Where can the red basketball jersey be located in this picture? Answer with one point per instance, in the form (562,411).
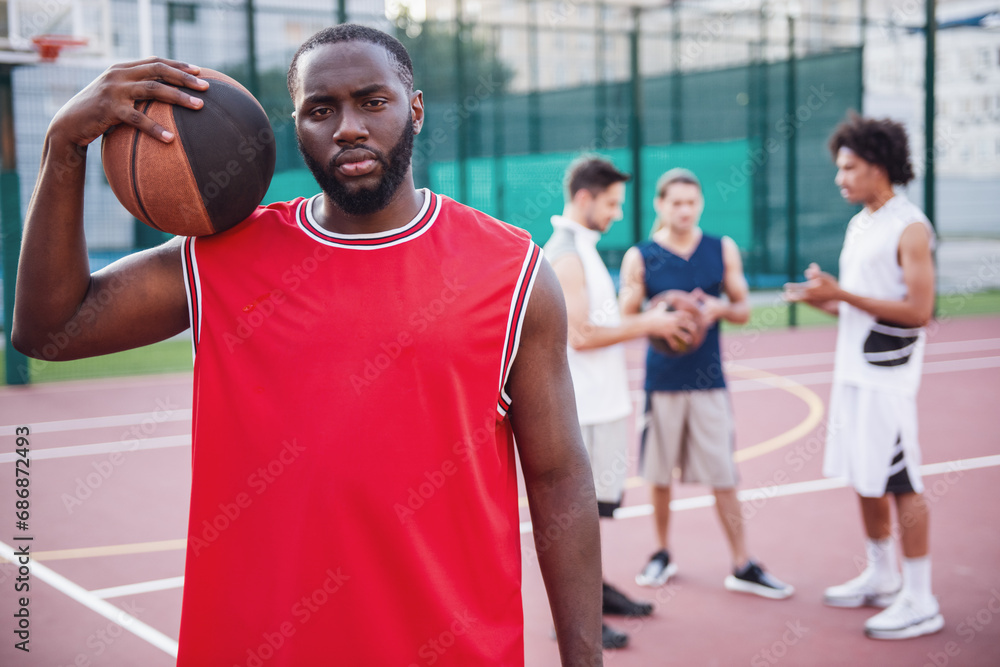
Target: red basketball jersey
(354,496)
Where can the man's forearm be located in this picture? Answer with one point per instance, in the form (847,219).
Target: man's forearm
(53,272)
(737,313)
(567,540)
(589,336)
(905,312)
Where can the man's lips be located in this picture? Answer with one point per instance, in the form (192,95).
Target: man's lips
(356,162)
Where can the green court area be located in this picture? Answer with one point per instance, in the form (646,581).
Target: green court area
(174,356)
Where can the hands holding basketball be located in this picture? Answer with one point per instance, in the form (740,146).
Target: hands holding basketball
(110,99)
(688,321)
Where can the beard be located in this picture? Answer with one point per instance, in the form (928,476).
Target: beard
(365,201)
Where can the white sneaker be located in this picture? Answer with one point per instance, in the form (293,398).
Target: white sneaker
(658,570)
(904,619)
(863,591)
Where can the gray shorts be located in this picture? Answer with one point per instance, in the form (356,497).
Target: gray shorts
(607,448)
(691,431)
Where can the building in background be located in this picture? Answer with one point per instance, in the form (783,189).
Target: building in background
(582,42)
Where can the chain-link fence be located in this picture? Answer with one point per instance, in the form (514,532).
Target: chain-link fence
(744,97)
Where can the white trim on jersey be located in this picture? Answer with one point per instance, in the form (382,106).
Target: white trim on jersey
(194,300)
(514,327)
(350,241)
(891,355)
(899,332)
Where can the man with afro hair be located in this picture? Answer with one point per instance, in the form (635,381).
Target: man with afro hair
(884,298)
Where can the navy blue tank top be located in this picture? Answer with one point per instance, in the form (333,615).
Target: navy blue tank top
(702,369)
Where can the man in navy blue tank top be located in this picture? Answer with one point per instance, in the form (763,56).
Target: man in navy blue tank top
(689,421)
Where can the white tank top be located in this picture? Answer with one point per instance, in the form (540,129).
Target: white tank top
(600,379)
(872,353)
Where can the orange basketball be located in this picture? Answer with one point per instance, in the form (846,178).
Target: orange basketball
(210,177)
(681,301)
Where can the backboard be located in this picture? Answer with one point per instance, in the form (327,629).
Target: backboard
(23,21)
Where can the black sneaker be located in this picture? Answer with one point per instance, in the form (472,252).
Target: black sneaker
(617,603)
(657,571)
(611,638)
(752,579)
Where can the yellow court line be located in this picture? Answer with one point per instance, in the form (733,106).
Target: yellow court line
(112,550)
(803,428)
(815,404)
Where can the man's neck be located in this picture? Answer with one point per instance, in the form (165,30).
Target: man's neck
(680,241)
(570,213)
(403,207)
(879,198)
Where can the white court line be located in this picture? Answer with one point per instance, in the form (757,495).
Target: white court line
(103,448)
(136,589)
(96,604)
(93,599)
(171,415)
(826,377)
(820,358)
(826,358)
(762,363)
(795,488)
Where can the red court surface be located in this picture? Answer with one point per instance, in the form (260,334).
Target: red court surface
(110,480)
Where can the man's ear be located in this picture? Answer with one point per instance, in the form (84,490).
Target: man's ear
(417,110)
(582,198)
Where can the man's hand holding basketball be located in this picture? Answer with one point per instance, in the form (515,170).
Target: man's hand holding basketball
(135,301)
(669,324)
(110,99)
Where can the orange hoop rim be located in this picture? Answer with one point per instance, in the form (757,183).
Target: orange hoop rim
(49,46)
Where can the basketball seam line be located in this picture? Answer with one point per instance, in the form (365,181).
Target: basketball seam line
(135,178)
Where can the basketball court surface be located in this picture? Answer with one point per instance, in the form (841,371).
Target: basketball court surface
(110,481)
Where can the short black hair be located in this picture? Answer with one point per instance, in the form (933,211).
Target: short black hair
(352,32)
(594,174)
(879,141)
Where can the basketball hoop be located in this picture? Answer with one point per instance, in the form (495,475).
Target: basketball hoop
(49,46)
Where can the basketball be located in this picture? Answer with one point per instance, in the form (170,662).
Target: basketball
(210,177)
(681,301)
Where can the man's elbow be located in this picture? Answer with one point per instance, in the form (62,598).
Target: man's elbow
(26,342)
(33,342)
(22,341)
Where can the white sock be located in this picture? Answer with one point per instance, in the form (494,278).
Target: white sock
(882,558)
(917,579)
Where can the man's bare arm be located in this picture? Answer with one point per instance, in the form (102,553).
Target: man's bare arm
(587,335)
(557,475)
(736,307)
(914,310)
(61,311)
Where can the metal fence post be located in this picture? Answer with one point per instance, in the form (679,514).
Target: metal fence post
(10,219)
(635,126)
(792,183)
(462,145)
(930,50)
(253,80)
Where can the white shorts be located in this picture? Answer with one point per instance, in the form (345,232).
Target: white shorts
(871,436)
(607,448)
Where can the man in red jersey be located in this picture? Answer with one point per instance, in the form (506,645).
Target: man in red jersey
(361,411)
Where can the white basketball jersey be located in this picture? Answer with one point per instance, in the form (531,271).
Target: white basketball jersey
(600,377)
(870,352)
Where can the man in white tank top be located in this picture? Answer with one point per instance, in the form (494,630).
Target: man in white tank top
(884,298)
(595,191)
